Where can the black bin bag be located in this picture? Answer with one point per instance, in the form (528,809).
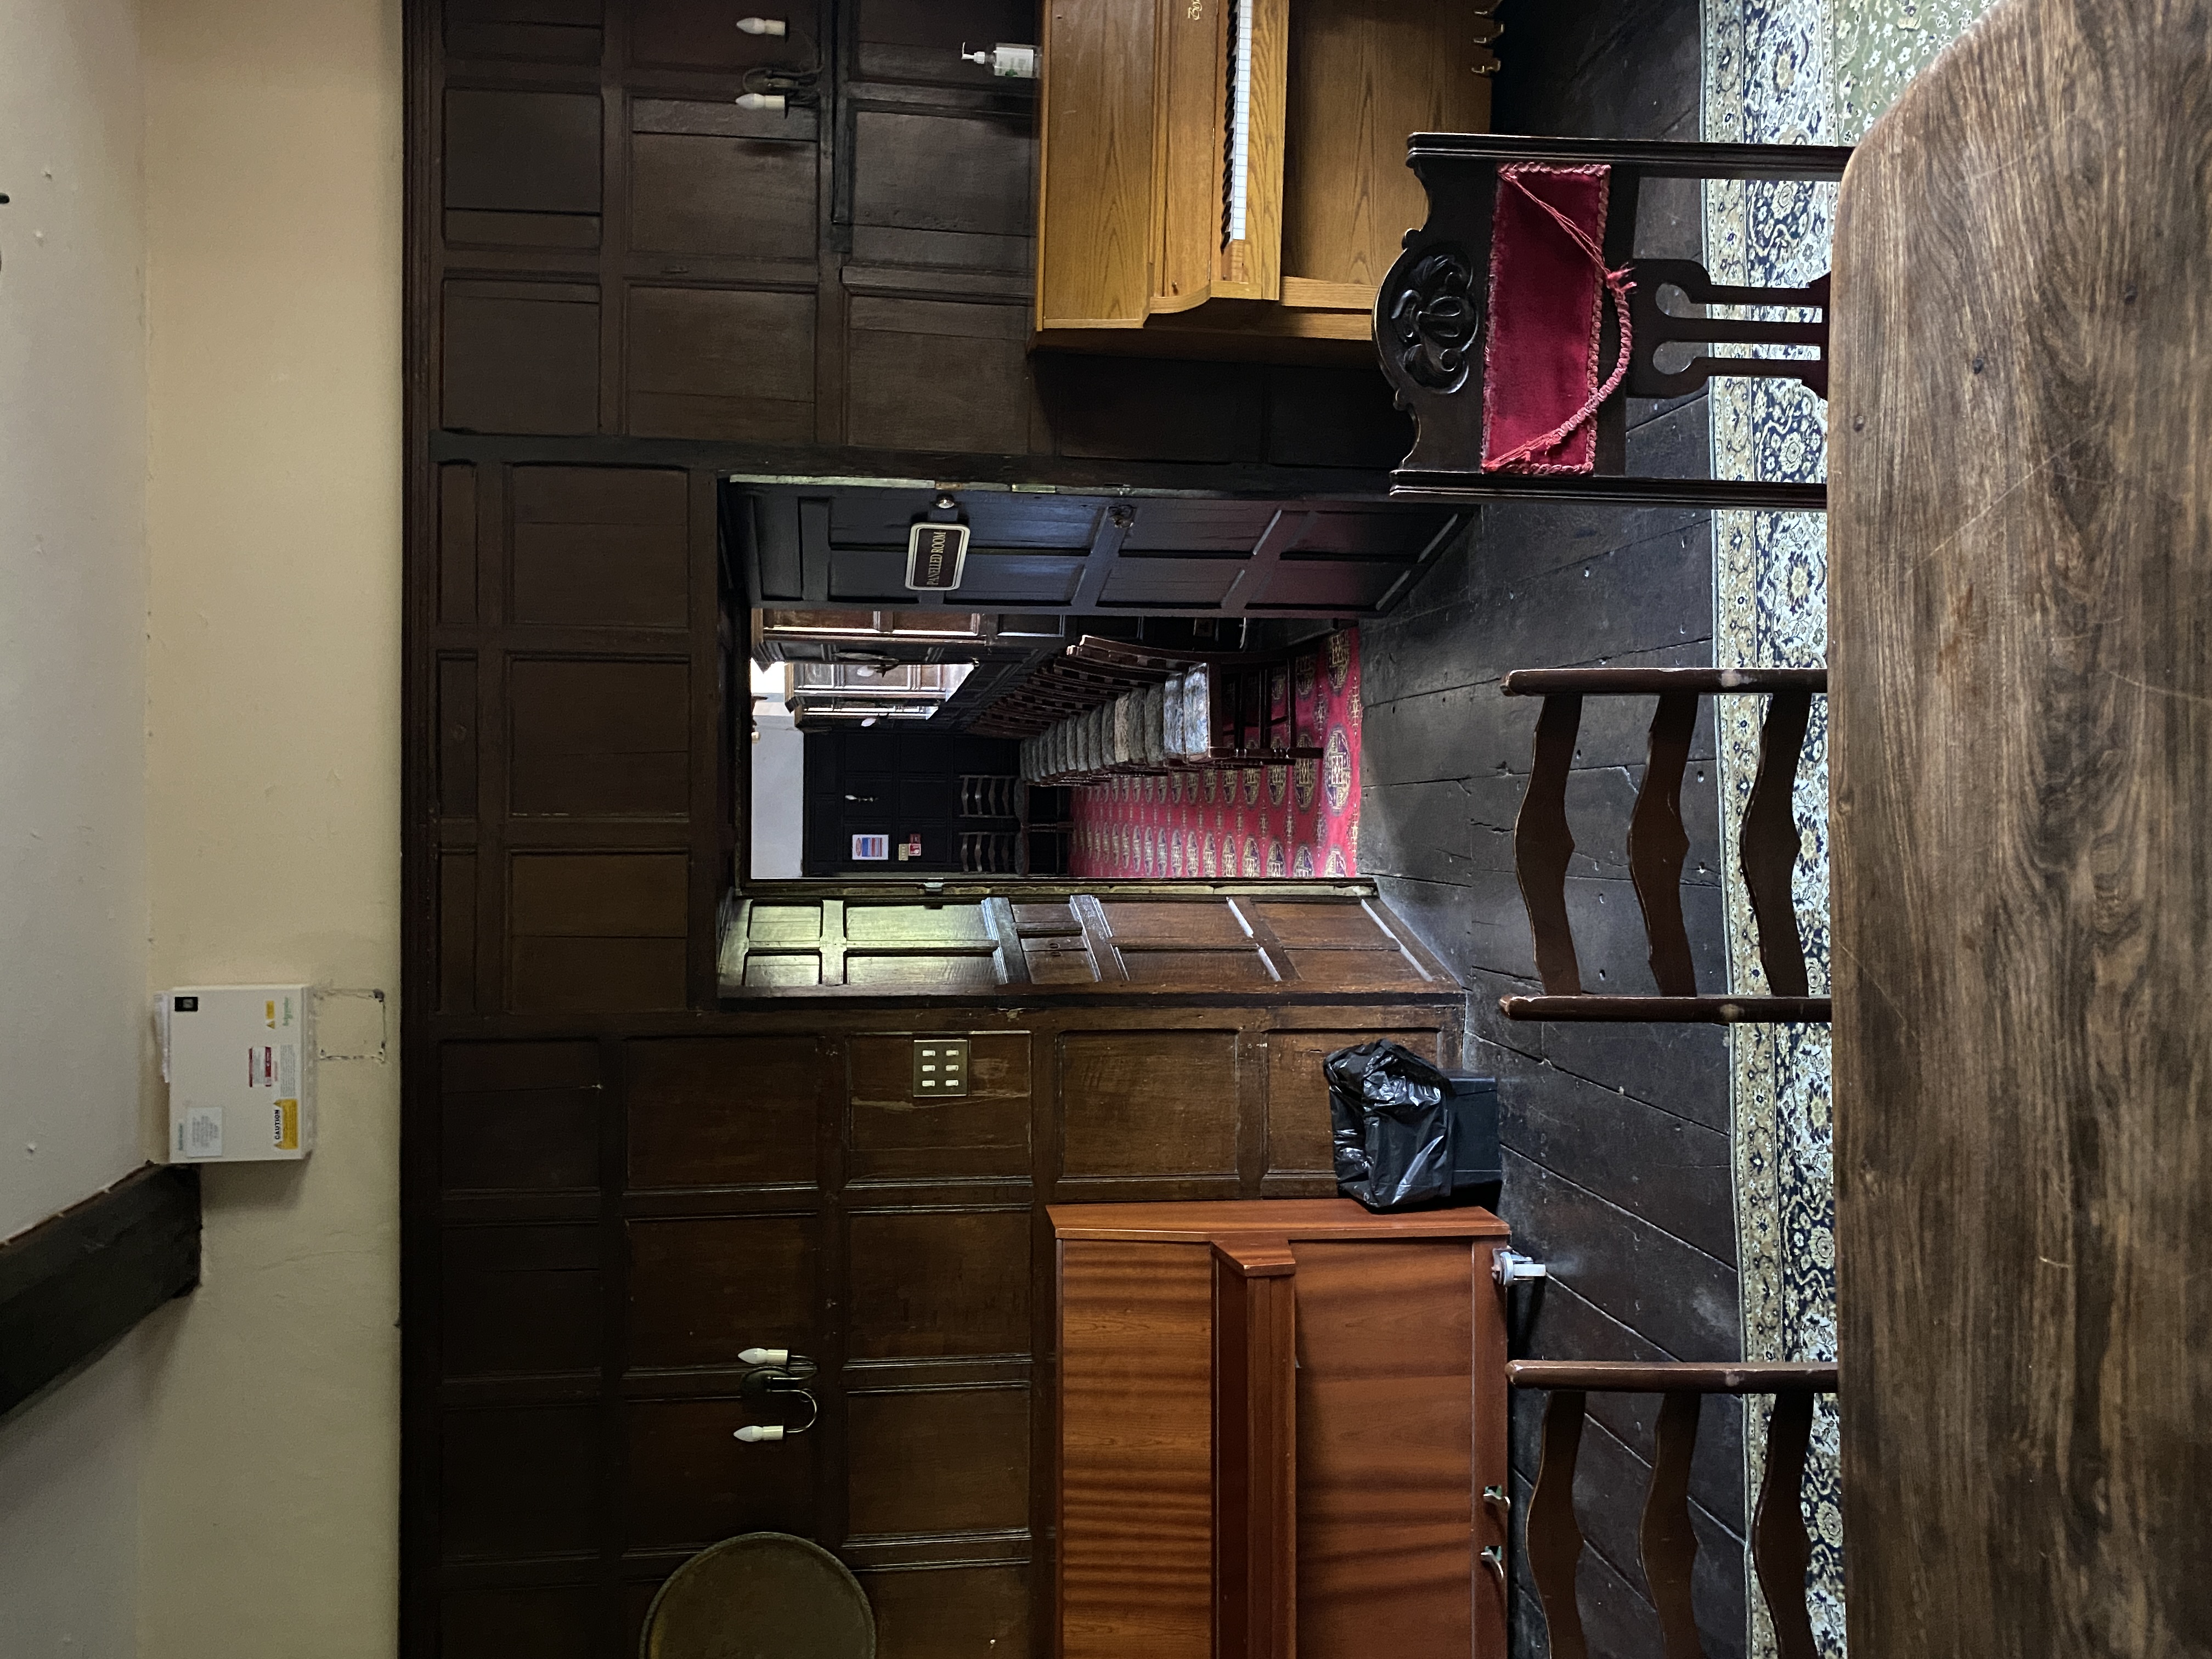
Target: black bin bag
(1405,1135)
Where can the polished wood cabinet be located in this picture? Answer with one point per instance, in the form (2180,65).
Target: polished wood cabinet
(1227,177)
(1282,1429)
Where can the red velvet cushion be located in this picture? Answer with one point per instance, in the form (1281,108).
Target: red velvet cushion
(1545,290)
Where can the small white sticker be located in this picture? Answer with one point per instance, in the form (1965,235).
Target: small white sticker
(201,1132)
(288,1068)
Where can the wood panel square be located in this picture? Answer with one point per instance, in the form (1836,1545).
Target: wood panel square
(717,1112)
(928,1283)
(954,172)
(545,1623)
(518,1140)
(521,357)
(597,932)
(1298,1092)
(693,193)
(1173,921)
(523,152)
(702,1291)
(917,976)
(598,737)
(950,1613)
(984,1133)
(596,975)
(688,1483)
(938,375)
(732,363)
(601,545)
(1196,971)
(1148,1102)
(698,34)
(1343,926)
(521,1301)
(518,1482)
(936,1461)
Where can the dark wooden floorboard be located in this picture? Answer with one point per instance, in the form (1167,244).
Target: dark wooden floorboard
(1618,1158)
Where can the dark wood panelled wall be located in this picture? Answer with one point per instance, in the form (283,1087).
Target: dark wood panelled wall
(622,290)
(607,245)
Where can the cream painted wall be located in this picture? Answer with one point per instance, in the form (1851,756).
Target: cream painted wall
(273,140)
(73,1043)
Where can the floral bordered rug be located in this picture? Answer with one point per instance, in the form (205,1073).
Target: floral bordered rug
(1788,71)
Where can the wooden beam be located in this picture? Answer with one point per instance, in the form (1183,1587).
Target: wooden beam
(72,1284)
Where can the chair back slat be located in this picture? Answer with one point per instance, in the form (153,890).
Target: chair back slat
(1658,843)
(1780,1549)
(1555,1537)
(1771,843)
(1669,1543)
(1543,844)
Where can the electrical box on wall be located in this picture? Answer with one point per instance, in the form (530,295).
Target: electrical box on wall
(239,1061)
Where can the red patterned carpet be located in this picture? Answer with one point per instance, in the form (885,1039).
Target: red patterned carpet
(1288,821)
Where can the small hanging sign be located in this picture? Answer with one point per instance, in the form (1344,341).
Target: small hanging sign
(934,556)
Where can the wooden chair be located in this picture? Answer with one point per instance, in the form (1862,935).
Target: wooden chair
(1657,843)
(1781,1550)
(1433,312)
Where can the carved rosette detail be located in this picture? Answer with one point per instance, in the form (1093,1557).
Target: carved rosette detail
(1435,319)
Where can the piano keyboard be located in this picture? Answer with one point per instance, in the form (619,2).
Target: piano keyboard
(1240,119)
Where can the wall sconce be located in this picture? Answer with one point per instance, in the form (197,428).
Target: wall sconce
(775,25)
(777,1374)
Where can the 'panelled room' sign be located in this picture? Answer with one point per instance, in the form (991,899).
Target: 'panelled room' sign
(934,554)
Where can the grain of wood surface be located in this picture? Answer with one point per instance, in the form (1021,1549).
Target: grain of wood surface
(2021,537)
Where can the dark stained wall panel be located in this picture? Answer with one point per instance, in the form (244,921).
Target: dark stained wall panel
(723,1112)
(730,363)
(457,932)
(704,35)
(546,1622)
(457,736)
(521,1141)
(943,173)
(596,930)
(522,357)
(457,543)
(522,1301)
(935,376)
(523,152)
(602,737)
(955,1613)
(726,198)
(519,1482)
(938,1461)
(601,545)
(938,1283)
(1142,409)
(687,1483)
(1131,1102)
(703,1290)
(542,31)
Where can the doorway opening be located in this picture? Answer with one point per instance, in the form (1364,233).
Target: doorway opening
(1121,688)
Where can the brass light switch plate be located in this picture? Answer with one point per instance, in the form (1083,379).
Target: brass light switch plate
(940,1066)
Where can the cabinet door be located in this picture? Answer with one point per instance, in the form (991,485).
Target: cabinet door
(1401,1422)
(1136,1458)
